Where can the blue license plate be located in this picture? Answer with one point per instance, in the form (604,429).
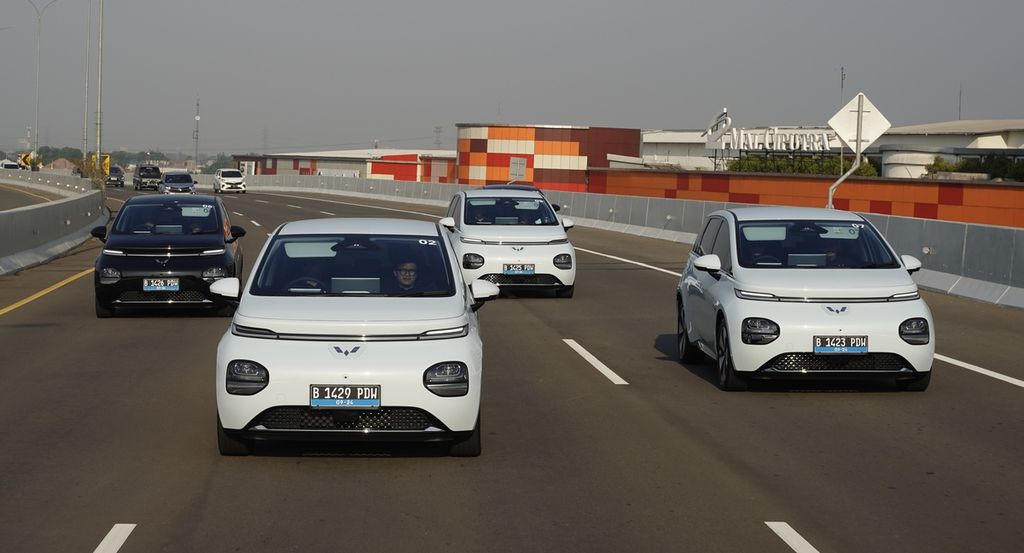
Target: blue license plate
(840,344)
(159,285)
(333,396)
(518,268)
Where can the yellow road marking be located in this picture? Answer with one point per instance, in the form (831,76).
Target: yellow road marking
(42,293)
(26,192)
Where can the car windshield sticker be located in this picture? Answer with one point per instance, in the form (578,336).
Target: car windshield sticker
(196,210)
(842,232)
(762,233)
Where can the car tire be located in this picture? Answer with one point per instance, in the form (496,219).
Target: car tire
(242,192)
(728,380)
(565,292)
(688,351)
(468,446)
(103,311)
(229,445)
(918,384)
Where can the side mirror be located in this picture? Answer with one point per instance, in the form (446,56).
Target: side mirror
(567,223)
(236,232)
(912,263)
(448,223)
(99,232)
(483,291)
(710,263)
(227,287)
(556,207)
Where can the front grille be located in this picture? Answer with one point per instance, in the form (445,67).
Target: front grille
(183,296)
(522,280)
(870,362)
(385,418)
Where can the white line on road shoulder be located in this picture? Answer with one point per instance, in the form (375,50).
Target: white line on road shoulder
(254,222)
(610,374)
(790,536)
(980,370)
(327,213)
(624,260)
(115,538)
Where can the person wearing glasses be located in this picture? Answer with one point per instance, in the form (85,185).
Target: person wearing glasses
(405,278)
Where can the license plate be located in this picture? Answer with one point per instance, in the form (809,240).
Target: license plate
(331,396)
(517,268)
(840,344)
(159,285)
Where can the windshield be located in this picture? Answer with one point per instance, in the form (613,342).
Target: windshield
(812,244)
(116,172)
(509,211)
(178,179)
(149,172)
(231,174)
(354,265)
(167,219)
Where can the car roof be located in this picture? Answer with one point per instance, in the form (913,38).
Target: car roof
(360,225)
(784,212)
(501,191)
(165,199)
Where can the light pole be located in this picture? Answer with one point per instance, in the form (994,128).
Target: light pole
(99,97)
(88,68)
(39,34)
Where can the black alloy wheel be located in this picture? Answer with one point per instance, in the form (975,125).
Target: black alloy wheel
(728,380)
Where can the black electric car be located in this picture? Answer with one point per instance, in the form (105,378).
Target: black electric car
(165,251)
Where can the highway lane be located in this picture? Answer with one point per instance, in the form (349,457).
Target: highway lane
(115,424)
(12,196)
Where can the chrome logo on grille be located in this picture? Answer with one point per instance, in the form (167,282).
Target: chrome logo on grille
(837,309)
(345,351)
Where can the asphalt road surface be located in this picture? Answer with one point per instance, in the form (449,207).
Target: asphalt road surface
(110,422)
(12,196)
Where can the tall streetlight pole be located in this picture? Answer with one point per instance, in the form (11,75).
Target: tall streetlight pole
(88,69)
(99,98)
(39,33)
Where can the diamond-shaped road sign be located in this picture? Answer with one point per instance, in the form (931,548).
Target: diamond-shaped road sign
(873,123)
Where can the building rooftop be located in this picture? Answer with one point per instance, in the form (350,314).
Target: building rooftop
(965,126)
(369,153)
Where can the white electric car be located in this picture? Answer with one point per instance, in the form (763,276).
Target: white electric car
(352,329)
(779,292)
(511,236)
(228,180)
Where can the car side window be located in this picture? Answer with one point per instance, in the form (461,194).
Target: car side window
(723,248)
(707,238)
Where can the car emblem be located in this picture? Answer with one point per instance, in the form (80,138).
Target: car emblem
(346,352)
(837,310)
(518,248)
(162,262)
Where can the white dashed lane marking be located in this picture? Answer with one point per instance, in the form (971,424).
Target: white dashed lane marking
(115,538)
(327,213)
(239,214)
(601,367)
(254,222)
(794,540)
(262,201)
(295,206)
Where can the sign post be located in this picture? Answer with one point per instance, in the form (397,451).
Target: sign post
(516,169)
(858,124)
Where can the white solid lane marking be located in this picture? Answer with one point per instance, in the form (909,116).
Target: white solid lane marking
(327,213)
(295,206)
(979,370)
(115,538)
(792,539)
(254,222)
(263,201)
(239,214)
(610,374)
(624,260)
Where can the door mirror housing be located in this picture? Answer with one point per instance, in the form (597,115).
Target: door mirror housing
(912,263)
(567,223)
(710,263)
(448,223)
(483,290)
(99,232)
(236,233)
(227,287)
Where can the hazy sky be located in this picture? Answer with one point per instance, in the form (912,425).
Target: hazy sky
(322,74)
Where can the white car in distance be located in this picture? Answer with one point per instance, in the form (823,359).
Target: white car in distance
(228,180)
(353,329)
(778,292)
(511,236)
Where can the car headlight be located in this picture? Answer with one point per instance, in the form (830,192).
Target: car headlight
(109,275)
(448,379)
(563,261)
(214,273)
(915,331)
(758,331)
(245,378)
(472,261)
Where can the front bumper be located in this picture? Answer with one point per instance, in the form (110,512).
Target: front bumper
(545,273)
(408,410)
(792,355)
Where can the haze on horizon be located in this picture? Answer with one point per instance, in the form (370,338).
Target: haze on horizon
(322,74)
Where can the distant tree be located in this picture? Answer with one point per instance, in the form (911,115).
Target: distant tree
(799,165)
(996,166)
(222,161)
(49,154)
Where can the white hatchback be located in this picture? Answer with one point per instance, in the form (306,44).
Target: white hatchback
(512,237)
(228,180)
(352,329)
(776,292)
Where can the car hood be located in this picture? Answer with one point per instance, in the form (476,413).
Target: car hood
(515,234)
(826,283)
(351,316)
(128,242)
